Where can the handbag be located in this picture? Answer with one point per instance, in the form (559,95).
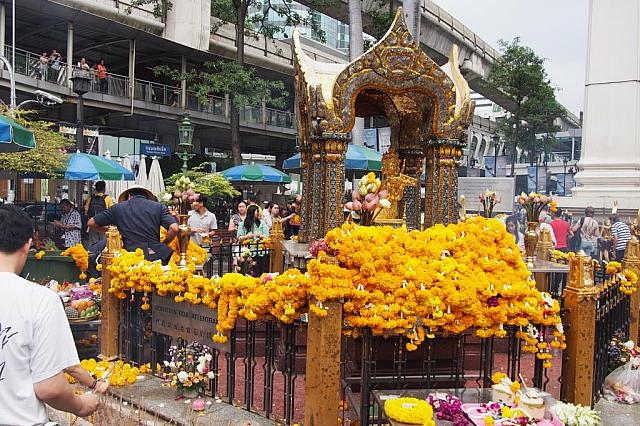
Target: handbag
(576,241)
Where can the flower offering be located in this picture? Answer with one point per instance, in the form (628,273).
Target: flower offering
(368,199)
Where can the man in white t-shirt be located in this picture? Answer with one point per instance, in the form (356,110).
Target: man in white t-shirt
(201,221)
(36,345)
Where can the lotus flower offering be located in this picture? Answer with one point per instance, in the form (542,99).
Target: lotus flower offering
(368,199)
(184,195)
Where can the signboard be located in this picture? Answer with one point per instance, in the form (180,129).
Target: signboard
(154,149)
(193,323)
(471,187)
(536,183)
(371,138)
(384,139)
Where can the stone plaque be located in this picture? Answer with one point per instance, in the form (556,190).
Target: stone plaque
(471,187)
(193,323)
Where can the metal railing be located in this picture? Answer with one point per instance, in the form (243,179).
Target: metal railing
(260,369)
(28,64)
(613,316)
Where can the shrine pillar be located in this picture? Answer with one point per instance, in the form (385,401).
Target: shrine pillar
(327,183)
(412,159)
(306,176)
(441,181)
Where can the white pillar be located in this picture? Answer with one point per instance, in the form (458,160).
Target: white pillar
(610,155)
(487,145)
(69,53)
(356,48)
(132,72)
(477,148)
(3,28)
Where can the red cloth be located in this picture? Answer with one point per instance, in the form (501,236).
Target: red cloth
(561,230)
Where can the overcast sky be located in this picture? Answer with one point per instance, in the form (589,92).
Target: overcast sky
(554,29)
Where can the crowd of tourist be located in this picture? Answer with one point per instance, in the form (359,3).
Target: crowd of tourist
(49,66)
(607,240)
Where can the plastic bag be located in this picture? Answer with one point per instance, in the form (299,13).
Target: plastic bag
(623,383)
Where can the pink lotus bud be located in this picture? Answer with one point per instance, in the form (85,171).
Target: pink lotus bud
(536,200)
(357,205)
(383,194)
(544,199)
(177,194)
(369,198)
(349,206)
(355,195)
(481,196)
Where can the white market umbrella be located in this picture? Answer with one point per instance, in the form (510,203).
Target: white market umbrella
(155,180)
(141,179)
(122,184)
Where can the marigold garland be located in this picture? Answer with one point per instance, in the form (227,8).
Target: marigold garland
(80,256)
(409,410)
(449,279)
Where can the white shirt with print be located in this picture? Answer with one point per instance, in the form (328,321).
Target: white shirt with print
(35,344)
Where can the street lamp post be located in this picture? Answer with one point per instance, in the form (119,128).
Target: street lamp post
(565,160)
(495,139)
(185,136)
(81,84)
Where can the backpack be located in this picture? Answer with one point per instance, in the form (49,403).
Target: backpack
(96,205)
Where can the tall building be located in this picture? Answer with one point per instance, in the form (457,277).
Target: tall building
(336,33)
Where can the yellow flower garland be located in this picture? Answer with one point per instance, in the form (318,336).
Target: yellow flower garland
(446,279)
(80,256)
(409,410)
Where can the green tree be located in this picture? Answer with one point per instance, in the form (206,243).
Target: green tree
(519,73)
(47,158)
(233,77)
(213,185)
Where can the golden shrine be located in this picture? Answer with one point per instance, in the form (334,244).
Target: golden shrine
(428,113)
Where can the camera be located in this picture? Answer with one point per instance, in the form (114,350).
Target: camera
(48,98)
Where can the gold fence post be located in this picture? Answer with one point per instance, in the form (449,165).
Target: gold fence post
(276,255)
(110,314)
(580,299)
(322,387)
(631,261)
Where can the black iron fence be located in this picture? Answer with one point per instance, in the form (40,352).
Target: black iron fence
(613,315)
(227,255)
(262,370)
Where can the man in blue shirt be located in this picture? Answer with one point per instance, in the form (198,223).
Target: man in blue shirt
(139,218)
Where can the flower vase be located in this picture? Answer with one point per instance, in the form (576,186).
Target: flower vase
(184,236)
(190,393)
(530,242)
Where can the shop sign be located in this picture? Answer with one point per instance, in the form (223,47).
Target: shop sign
(193,323)
(154,149)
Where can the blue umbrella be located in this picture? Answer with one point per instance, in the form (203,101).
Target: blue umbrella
(256,173)
(358,158)
(92,167)
(14,137)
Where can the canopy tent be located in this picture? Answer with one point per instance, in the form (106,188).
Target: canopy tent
(256,173)
(358,158)
(15,137)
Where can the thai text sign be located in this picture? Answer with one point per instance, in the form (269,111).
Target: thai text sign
(193,323)
(471,187)
(151,149)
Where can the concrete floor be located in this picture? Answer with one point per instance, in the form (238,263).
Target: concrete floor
(615,414)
